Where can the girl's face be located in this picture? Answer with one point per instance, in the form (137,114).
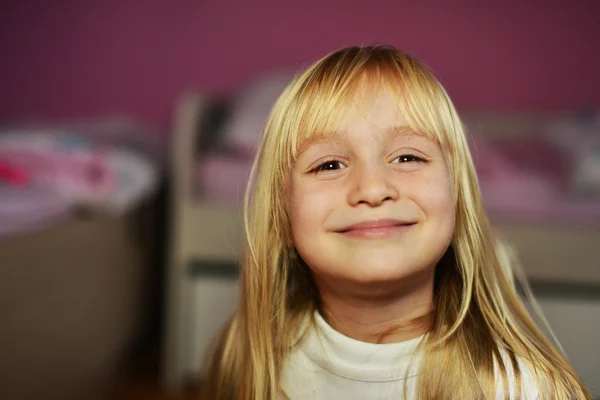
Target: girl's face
(373,202)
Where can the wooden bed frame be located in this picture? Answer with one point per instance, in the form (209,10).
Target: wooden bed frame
(210,237)
(75,301)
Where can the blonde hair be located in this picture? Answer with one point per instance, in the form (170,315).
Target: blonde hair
(477,308)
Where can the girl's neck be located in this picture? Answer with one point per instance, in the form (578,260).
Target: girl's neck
(394,318)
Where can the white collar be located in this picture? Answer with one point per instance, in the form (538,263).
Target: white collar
(358,360)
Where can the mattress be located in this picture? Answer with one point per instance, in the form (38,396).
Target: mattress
(27,210)
(124,160)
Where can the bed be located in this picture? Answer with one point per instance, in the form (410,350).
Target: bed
(561,256)
(76,280)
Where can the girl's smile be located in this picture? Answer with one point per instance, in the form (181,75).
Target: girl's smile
(376,229)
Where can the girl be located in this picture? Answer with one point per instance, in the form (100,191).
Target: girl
(370,269)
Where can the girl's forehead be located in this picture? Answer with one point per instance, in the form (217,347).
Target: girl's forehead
(379,112)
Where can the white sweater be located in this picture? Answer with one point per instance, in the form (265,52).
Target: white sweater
(327,365)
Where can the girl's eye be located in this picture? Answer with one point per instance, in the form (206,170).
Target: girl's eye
(406,158)
(329,166)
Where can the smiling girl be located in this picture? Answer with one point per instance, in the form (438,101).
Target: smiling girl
(370,270)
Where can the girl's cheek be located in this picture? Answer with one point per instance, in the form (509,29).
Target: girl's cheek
(431,191)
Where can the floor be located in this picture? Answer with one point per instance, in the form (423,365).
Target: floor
(150,390)
(143,382)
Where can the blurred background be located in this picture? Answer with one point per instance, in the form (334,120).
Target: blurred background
(127,130)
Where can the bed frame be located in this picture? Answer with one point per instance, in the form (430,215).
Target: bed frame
(75,302)
(207,239)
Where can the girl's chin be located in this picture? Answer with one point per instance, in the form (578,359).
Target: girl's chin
(381,275)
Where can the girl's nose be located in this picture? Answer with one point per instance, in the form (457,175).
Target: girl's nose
(371,185)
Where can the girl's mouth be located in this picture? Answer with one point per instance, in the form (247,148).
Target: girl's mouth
(375,229)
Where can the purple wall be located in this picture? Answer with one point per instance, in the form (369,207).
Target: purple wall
(89,57)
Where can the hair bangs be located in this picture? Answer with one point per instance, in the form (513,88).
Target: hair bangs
(345,84)
(331,96)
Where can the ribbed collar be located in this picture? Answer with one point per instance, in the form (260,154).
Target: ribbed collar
(353,359)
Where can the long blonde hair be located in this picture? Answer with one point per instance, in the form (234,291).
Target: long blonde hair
(477,309)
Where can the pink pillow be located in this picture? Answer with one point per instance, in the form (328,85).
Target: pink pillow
(244,128)
(222,178)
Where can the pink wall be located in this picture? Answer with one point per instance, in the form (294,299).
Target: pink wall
(89,57)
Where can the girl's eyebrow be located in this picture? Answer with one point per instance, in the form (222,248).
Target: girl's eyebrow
(402,130)
(318,140)
(334,136)
(405,131)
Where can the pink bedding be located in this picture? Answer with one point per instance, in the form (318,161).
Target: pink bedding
(27,210)
(222,178)
(111,163)
(532,179)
